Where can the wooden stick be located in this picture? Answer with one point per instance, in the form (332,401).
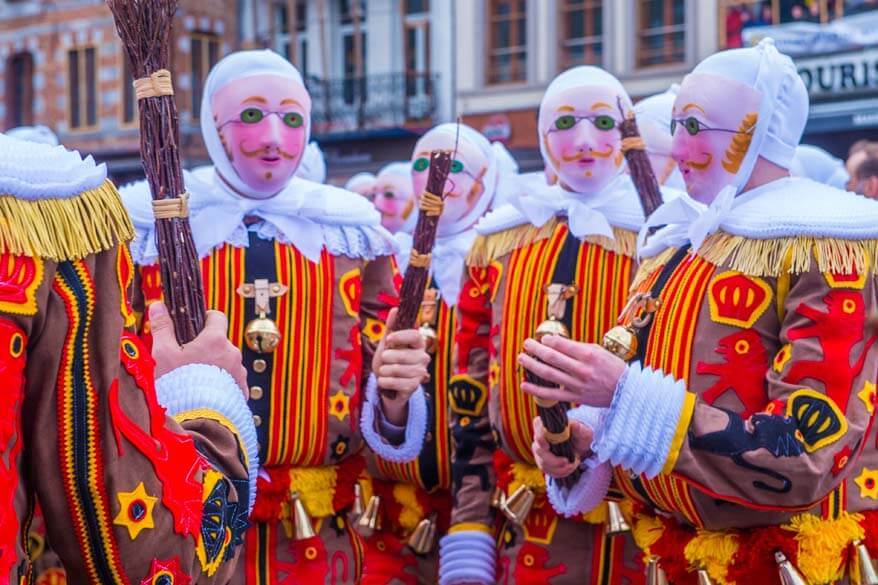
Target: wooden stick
(642,174)
(417,275)
(145,29)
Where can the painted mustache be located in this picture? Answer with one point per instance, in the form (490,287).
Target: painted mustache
(701,166)
(592,152)
(267,150)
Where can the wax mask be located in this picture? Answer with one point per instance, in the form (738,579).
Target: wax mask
(465,181)
(662,165)
(366,189)
(712,124)
(579,129)
(393,198)
(262,122)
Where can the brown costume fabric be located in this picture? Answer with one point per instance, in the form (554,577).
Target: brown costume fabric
(784,371)
(502,303)
(125,491)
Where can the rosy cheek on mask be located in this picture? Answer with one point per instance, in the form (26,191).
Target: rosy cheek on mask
(586,158)
(700,159)
(266,153)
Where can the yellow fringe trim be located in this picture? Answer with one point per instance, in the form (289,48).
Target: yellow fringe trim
(778,256)
(527,475)
(485,249)
(646,531)
(493,246)
(64,229)
(599,515)
(648,266)
(411,512)
(713,552)
(316,487)
(822,544)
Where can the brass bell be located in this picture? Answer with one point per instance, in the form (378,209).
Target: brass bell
(616,523)
(868,575)
(655,575)
(370,521)
(518,505)
(551,327)
(262,334)
(789,574)
(423,539)
(622,342)
(498,497)
(357,507)
(304,529)
(429,336)
(704,578)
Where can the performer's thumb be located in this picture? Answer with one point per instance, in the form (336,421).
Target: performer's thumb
(160,324)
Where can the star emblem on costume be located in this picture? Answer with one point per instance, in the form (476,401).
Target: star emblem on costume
(166,572)
(840,460)
(782,358)
(340,405)
(374,330)
(136,510)
(867,395)
(868,482)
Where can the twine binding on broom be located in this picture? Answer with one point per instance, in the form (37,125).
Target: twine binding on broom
(156,85)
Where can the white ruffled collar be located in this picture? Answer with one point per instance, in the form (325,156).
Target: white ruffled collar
(298,215)
(617,205)
(30,170)
(788,207)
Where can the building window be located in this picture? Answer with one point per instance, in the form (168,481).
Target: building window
(354,47)
(352,10)
(82,83)
(662,36)
(417,47)
(20,94)
(581,29)
(292,15)
(203,55)
(128,107)
(507,41)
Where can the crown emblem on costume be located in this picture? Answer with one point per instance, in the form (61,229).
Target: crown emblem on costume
(467,395)
(737,299)
(541,522)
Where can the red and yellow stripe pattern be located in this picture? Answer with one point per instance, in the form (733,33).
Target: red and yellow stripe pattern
(603,278)
(670,349)
(222,273)
(299,410)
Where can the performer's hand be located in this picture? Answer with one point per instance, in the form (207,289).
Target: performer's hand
(400,364)
(587,373)
(551,464)
(212,346)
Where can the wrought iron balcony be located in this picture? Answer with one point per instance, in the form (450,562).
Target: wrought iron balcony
(372,102)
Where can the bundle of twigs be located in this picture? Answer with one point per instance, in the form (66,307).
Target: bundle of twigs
(417,275)
(145,29)
(553,415)
(642,174)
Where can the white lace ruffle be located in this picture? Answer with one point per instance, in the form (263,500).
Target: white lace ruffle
(30,170)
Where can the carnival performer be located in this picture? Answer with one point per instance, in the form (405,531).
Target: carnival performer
(394,197)
(143,467)
(416,497)
(654,121)
(818,165)
(304,273)
(568,251)
(362,184)
(743,424)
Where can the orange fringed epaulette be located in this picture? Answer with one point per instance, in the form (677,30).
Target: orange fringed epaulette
(64,228)
(789,255)
(487,248)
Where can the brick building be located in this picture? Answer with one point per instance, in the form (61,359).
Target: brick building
(63,66)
